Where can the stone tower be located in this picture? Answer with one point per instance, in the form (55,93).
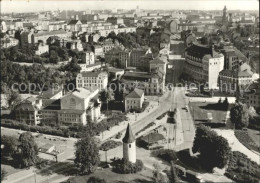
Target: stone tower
(224,18)
(129,149)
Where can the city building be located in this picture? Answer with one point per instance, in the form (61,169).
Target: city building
(232,80)
(150,83)
(203,64)
(9,42)
(88,57)
(233,58)
(28,111)
(252,98)
(43,36)
(41,48)
(115,20)
(129,147)
(134,100)
(75,25)
(77,105)
(98,79)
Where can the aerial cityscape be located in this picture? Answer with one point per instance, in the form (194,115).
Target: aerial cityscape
(130,91)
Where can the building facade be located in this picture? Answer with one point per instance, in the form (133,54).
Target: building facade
(203,64)
(96,79)
(134,100)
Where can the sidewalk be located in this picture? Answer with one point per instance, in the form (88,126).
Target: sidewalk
(237,146)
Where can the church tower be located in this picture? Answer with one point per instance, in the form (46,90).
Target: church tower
(129,149)
(224,18)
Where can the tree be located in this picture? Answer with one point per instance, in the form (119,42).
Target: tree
(10,145)
(239,115)
(13,99)
(3,174)
(102,60)
(27,154)
(158,177)
(54,58)
(214,150)
(173,177)
(226,104)
(87,155)
(105,96)
(94,179)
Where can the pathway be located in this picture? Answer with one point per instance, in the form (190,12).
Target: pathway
(237,146)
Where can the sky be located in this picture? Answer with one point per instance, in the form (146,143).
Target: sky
(40,5)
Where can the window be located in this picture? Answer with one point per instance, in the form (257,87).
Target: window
(129,145)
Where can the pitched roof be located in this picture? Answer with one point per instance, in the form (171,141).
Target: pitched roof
(49,93)
(90,74)
(51,104)
(152,137)
(199,51)
(51,33)
(73,22)
(136,93)
(129,137)
(25,107)
(245,73)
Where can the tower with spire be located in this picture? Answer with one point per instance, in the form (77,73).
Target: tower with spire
(129,149)
(224,17)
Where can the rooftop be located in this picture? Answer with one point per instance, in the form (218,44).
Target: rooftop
(129,137)
(46,33)
(136,93)
(152,138)
(49,93)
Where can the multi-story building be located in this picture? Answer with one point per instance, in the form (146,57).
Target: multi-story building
(150,83)
(77,105)
(134,100)
(115,20)
(131,58)
(231,81)
(98,79)
(88,57)
(203,64)
(75,25)
(253,98)
(233,58)
(9,42)
(41,48)
(28,111)
(124,58)
(43,36)
(25,38)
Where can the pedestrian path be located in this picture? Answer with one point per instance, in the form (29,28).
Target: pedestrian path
(236,145)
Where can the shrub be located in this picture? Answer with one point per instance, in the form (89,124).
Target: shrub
(161,116)
(165,154)
(111,144)
(126,167)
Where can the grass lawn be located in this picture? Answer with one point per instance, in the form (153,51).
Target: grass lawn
(246,138)
(10,170)
(255,136)
(199,111)
(110,176)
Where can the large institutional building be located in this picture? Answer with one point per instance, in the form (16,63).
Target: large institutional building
(203,64)
(74,107)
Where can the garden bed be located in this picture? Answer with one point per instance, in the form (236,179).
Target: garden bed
(246,140)
(242,169)
(111,144)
